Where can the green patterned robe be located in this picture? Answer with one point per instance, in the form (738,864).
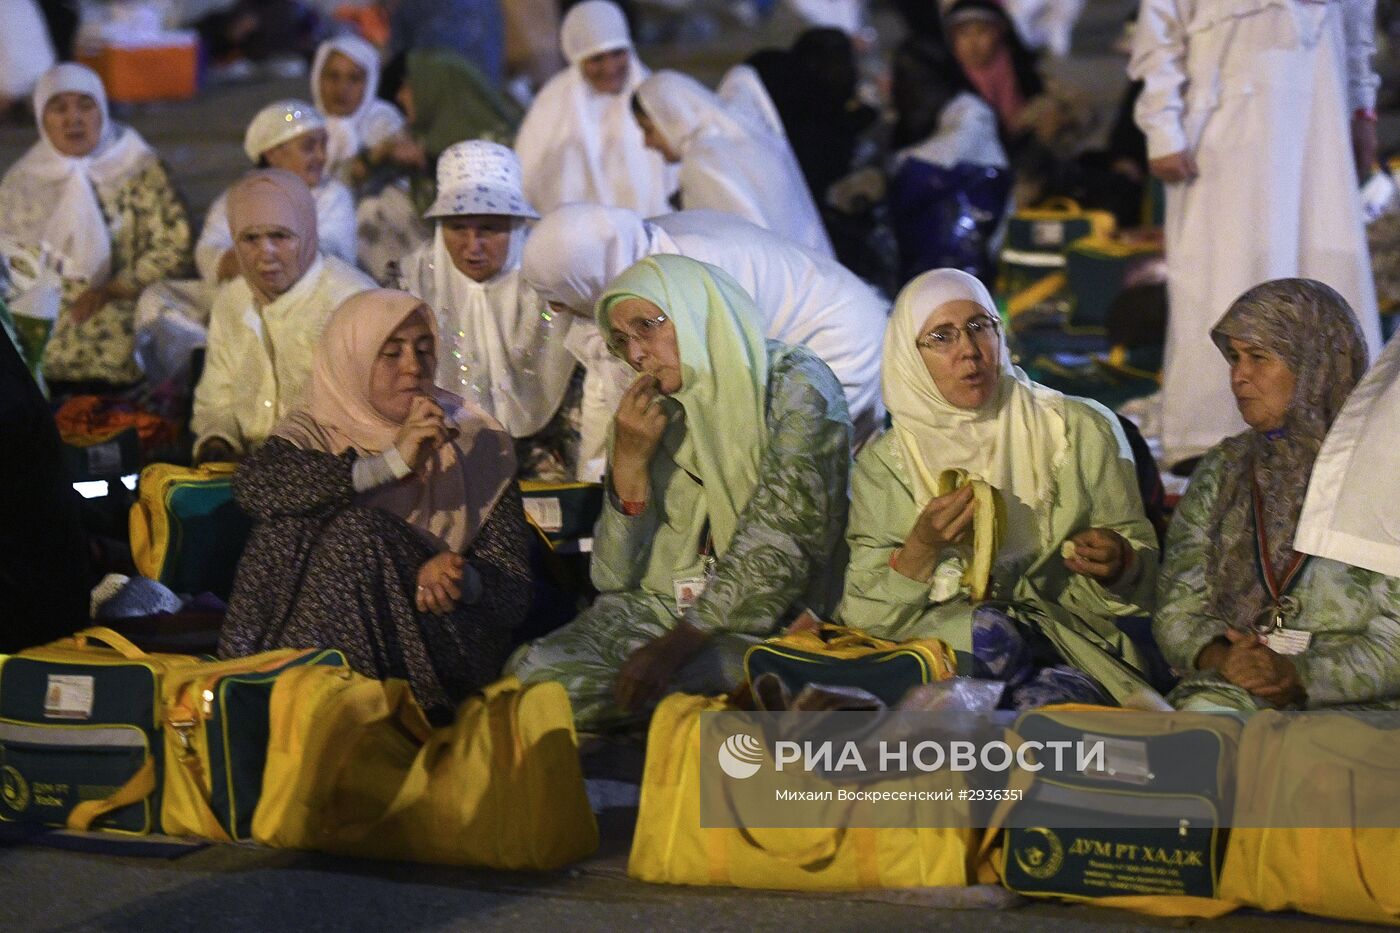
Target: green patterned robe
(1095,487)
(786,554)
(1353,659)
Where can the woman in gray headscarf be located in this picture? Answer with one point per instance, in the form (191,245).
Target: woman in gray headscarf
(1249,621)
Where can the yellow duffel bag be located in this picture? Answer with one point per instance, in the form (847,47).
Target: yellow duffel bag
(1333,769)
(353,768)
(671,847)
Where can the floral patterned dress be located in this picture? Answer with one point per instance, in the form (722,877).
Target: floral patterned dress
(150,233)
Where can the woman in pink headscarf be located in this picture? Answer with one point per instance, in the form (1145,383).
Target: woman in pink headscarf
(388,524)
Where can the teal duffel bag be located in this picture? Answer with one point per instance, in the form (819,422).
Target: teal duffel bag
(80,727)
(1145,820)
(834,656)
(186,530)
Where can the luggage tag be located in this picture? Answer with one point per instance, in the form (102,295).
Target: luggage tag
(1288,641)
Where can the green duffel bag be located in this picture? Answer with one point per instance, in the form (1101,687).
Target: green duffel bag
(1053,225)
(1097,267)
(565,513)
(217,729)
(1145,820)
(80,727)
(834,656)
(186,530)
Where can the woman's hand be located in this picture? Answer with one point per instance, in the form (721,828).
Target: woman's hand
(1244,660)
(422,433)
(87,304)
(440,583)
(651,669)
(945,521)
(1099,554)
(407,152)
(228,266)
(1252,665)
(637,430)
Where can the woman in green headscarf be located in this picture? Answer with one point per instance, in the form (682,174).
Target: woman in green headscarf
(726,501)
(445,100)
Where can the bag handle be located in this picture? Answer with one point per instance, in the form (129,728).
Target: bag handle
(111,638)
(140,786)
(838,636)
(1066,205)
(213,829)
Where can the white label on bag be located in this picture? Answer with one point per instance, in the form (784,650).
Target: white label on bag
(1048,233)
(1288,641)
(546,513)
(1123,759)
(69,696)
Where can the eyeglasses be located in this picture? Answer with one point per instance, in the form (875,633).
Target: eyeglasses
(620,341)
(945,338)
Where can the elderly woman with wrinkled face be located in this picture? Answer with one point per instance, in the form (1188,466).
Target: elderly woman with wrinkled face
(1248,620)
(90,208)
(266,321)
(1075,551)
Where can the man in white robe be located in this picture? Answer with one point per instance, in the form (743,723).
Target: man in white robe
(1257,113)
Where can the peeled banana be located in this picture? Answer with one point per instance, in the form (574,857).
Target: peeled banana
(986,531)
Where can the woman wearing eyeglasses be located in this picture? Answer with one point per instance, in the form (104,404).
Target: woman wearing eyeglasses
(727,473)
(1062,475)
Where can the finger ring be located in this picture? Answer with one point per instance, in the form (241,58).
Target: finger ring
(421,587)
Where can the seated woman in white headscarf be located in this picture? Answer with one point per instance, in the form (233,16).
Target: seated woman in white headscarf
(344,82)
(172,317)
(803,299)
(388,522)
(1076,552)
(726,497)
(728,162)
(266,322)
(89,214)
(579,142)
(501,346)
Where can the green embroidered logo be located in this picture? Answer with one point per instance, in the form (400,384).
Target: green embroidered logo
(14,789)
(1041,855)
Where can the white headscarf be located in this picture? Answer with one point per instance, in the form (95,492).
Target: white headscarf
(1015,441)
(279,122)
(501,346)
(731,161)
(373,121)
(578,145)
(58,207)
(575,251)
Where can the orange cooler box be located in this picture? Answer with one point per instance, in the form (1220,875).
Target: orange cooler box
(137,74)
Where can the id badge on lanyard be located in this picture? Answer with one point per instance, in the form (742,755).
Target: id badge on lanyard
(688,590)
(1272,623)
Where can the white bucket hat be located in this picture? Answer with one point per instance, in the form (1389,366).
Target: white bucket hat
(278,122)
(479,177)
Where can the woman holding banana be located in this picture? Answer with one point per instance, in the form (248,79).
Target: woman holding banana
(997,515)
